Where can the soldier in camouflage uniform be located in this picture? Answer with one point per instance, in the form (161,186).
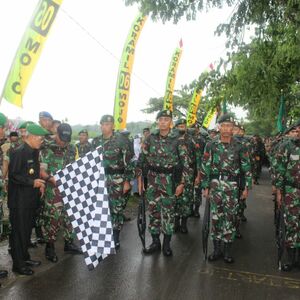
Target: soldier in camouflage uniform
(56,156)
(223,161)
(287,181)
(84,146)
(118,171)
(258,154)
(161,152)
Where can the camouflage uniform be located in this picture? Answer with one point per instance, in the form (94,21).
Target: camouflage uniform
(54,158)
(118,169)
(83,149)
(258,156)
(2,182)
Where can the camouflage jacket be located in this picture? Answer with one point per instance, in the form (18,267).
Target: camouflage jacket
(117,157)
(228,159)
(287,164)
(83,148)
(163,153)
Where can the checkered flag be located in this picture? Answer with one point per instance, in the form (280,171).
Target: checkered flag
(82,186)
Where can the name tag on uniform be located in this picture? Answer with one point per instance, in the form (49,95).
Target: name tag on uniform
(295,157)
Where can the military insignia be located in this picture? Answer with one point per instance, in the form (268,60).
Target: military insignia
(31,171)
(168,112)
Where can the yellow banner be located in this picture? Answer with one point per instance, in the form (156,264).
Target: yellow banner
(125,69)
(29,51)
(168,98)
(193,107)
(208,118)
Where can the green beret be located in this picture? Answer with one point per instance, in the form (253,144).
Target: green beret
(107,118)
(35,129)
(164,113)
(226,118)
(3,119)
(83,131)
(24,124)
(180,121)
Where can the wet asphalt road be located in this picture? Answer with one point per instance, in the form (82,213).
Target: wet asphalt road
(131,275)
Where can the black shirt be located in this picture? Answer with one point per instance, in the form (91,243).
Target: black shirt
(23,168)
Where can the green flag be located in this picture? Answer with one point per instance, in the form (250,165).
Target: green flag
(281,121)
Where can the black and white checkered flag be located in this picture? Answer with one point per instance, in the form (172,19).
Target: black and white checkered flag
(82,186)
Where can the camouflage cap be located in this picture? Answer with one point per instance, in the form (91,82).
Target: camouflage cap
(164,113)
(180,121)
(3,119)
(83,131)
(226,118)
(45,114)
(64,132)
(35,129)
(24,124)
(146,129)
(107,118)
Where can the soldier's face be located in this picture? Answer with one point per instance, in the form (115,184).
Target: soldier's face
(83,138)
(46,123)
(236,130)
(164,123)
(107,128)
(293,133)
(35,141)
(181,127)
(226,129)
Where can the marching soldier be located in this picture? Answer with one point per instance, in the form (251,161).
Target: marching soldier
(161,152)
(223,161)
(84,146)
(118,171)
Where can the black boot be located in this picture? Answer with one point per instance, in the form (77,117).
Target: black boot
(291,252)
(177,224)
(167,251)
(217,253)
(196,211)
(50,252)
(192,210)
(184,225)
(71,248)
(155,246)
(227,253)
(116,234)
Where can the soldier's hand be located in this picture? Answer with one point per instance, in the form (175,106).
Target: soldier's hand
(37,183)
(206,193)
(42,191)
(140,185)
(279,198)
(179,190)
(126,187)
(197,180)
(245,193)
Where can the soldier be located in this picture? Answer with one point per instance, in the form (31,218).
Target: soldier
(118,171)
(259,153)
(24,187)
(84,146)
(223,161)
(55,156)
(160,154)
(287,182)
(46,120)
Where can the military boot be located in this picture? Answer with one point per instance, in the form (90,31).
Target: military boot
(167,251)
(196,211)
(71,248)
(155,246)
(227,253)
(184,228)
(217,253)
(177,224)
(50,252)
(116,234)
(291,252)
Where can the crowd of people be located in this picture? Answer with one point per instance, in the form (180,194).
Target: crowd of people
(173,165)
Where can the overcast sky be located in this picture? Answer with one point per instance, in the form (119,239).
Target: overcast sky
(76,75)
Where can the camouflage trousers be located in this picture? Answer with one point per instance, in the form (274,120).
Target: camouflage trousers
(197,196)
(54,218)
(224,204)
(161,203)
(292,217)
(184,201)
(117,200)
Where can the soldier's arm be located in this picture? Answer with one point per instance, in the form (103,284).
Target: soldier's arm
(280,165)
(246,166)
(205,170)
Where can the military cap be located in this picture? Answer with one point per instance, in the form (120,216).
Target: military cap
(226,118)
(45,114)
(107,118)
(125,132)
(146,129)
(164,113)
(13,133)
(24,124)
(64,132)
(83,131)
(35,129)
(180,121)
(3,119)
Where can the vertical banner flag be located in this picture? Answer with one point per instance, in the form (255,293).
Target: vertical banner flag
(193,107)
(168,98)
(281,125)
(125,69)
(209,117)
(29,51)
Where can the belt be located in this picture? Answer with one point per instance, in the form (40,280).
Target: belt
(111,171)
(225,177)
(161,170)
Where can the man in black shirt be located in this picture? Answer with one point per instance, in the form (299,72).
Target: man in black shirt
(24,189)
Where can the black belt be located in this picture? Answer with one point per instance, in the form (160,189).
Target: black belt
(161,170)
(225,177)
(111,171)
